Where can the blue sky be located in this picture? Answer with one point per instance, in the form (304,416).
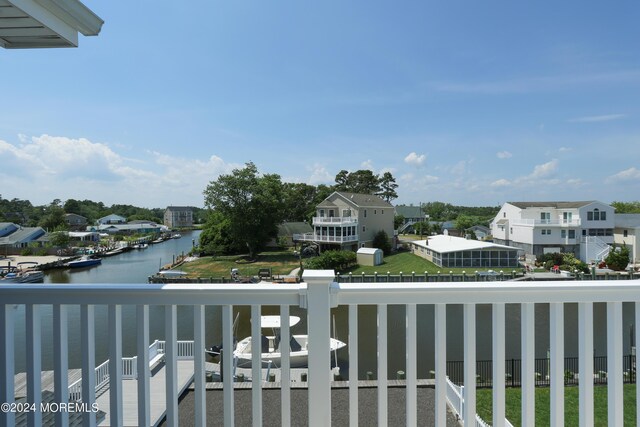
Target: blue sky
(472,103)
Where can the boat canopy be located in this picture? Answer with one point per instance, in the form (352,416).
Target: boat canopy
(273,322)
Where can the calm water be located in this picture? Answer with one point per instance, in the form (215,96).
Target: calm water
(136,266)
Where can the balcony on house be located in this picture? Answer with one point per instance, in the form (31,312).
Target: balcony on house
(318,294)
(331,229)
(561,222)
(335,220)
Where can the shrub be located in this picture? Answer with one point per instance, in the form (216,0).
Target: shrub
(381,241)
(331,260)
(618,258)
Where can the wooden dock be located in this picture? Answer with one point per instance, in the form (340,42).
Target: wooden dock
(157,388)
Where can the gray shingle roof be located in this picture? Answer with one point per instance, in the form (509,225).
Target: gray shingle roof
(363,200)
(627,220)
(555,205)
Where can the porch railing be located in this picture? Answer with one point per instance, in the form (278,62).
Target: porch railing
(318,294)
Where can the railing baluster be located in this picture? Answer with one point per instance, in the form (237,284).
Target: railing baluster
(556,374)
(585,362)
(498,324)
(34,363)
(256,367)
(285,364)
(198,365)
(382,365)
(144,376)
(61,362)
(353,365)
(412,366)
(227,362)
(469,413)
(115,364)
(171,360)
(441,362)
(614,364)
(527,379)
(7,363)
(88,333)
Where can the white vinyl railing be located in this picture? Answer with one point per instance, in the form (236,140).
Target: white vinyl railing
(562,222)
(318,294)
(312,237)
(335,220)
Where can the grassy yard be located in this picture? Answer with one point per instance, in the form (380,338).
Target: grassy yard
(408,262)
(571,417)
(280,262)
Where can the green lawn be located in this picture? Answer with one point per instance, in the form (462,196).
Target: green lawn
(407,262)
(280,262)
(571,416)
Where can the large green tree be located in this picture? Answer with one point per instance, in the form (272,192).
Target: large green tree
(250,203)
(388,187)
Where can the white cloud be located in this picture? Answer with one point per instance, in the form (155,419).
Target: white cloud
(545,170)
(501,183)
(367,164)
(565,149)
(630,174)
(504,155)
(415,159)
(47,167)
(596,119)
(320,175)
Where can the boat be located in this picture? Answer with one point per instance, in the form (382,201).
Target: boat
(172,274)
(176,236)
(141,246)
(20,274)
(83,261)
(270,346)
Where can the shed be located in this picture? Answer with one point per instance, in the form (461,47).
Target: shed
(369,256)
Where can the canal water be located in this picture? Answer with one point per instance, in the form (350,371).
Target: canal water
(135,267)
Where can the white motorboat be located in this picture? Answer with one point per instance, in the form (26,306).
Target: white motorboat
(271,346)
(22,274)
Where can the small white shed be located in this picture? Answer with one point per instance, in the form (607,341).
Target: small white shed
(370,256)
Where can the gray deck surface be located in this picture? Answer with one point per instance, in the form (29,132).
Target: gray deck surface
(368,403)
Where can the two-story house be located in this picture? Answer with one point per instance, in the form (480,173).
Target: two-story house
(582,228)
(349,221)
(178,216)
(75,222)
(627,232)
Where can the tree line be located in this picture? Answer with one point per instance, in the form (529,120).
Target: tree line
(51,216)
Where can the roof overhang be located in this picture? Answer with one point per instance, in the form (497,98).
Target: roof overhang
(28,24)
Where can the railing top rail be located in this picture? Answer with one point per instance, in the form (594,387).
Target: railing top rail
(346,293)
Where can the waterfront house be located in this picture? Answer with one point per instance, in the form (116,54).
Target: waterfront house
(178,216)
(627,232)
(584,229)
(451,251)
(17,237)
(349,221)
(411,214)
(112,219)
(75,222)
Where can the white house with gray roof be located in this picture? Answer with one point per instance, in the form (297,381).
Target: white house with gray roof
(582,228)
(349,221)
(627,232)
(458,252)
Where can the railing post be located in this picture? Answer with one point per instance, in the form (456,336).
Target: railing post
(198,362)
(318,313)
(115,365)
(556,374)
(7,363)
(171,369)
(498,323)
(469,395)
(528,363)
(87,331)
(441,363)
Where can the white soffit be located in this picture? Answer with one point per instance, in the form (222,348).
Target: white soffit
(45,23)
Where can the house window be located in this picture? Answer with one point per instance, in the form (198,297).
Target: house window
(381,211)
(346,213)
(603,216)
(545,217)
(563,234)
(546,232)
(625,233)
(362,245)
(331,214)
(596,215)
(365,213)
(364,229)
(572,234)
(375,211)
(321,213)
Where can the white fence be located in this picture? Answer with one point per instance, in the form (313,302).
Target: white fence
(318,294)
